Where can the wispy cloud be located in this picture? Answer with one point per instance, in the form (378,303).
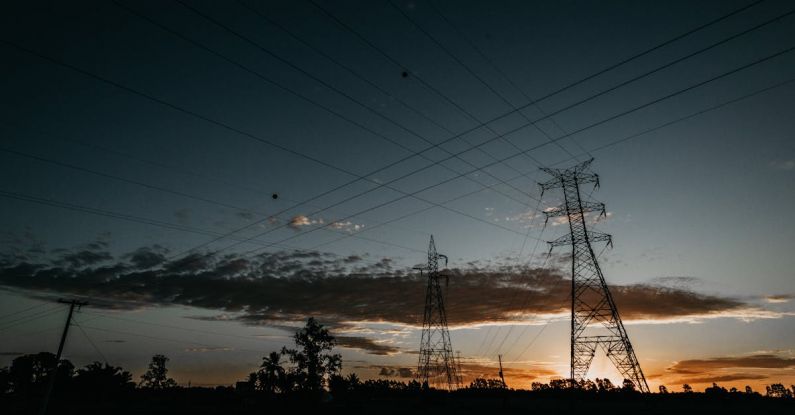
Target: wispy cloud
(208,349)
(299,221)
(376,347)
(346,226)
(783,164)
(765,361)
(727,368)
(779,298)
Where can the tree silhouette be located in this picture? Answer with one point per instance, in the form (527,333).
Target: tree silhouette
(29,373)
(156,376)
(271,375)
(663,389)
(103,380)
(5,381)
(687,388)
(715,390)
(778,390)
(628,386)
(604,385)
(313,366)
(481,383)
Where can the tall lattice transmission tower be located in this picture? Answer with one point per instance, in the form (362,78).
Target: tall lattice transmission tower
(437,365)
(595,321)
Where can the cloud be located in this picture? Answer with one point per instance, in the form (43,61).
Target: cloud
(779,298)
(783,164)
(297,221)
(83,258)
(727,369)
(723,378)
(289,286)
(399,372)
(346,226)
(591,218)
(366,344)
(514,376)
(761,361)
(208,349)
(147,257)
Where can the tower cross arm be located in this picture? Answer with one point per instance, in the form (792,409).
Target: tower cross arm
(586,207)
(562,241)
(551,184)
(600,237)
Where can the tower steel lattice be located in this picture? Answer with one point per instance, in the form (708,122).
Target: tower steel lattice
(437,366)
(595,322)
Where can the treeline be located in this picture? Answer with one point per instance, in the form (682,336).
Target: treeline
(305,374)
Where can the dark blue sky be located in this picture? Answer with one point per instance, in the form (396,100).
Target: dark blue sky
(190,116)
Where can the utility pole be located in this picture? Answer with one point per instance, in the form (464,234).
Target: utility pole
(591,302)
(502,377)
(436,364)
(54,370)
(460,372)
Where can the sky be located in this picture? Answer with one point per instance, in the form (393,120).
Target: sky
(208,175)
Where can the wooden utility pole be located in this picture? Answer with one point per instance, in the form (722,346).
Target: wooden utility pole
(54,370)
(502,378)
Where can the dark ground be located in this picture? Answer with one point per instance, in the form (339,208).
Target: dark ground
(227,401)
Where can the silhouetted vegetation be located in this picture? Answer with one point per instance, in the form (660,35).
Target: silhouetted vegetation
(307,378)
(156,376)
(311,366)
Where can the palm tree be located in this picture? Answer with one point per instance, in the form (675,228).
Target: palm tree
(271,373)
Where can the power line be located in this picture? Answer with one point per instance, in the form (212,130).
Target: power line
(344,94)
(169,326)
(462,34)
(511,301)
(200,175)
(624,139)
(25,310)
(27,319)
(431,88)
(166,339)
(365,80)
(50,59)
(106,213)
(595,124)
(480,80)
(480,145)
(155,187)
(121,179)
(364,39)
(91,342)
(238,131)
(667,65)
(152,222)
(610,144)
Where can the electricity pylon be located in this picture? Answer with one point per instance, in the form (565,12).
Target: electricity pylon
(591,302)
(437,365)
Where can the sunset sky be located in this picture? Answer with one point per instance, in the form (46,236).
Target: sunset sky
(144,144)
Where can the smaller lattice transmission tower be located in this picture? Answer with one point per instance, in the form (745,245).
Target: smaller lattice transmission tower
(595,322)
(437,365)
